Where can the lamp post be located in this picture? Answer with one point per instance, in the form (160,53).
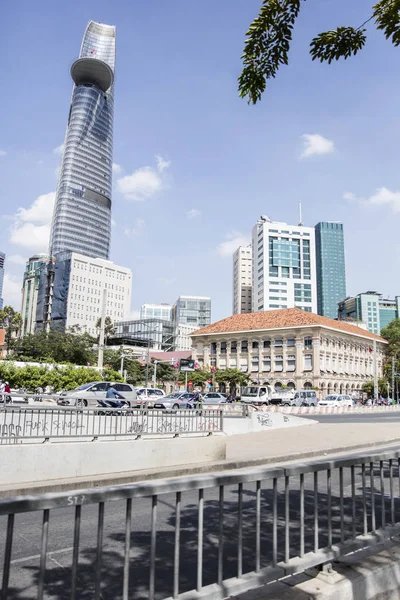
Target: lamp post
(122,364)
(155,374)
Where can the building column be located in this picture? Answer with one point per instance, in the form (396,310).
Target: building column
(316,345)
(298,374)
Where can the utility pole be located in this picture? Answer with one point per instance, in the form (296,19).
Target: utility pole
(147,363)
(155,374)
(122,364)
(102,325)
(393,367)
(375,374)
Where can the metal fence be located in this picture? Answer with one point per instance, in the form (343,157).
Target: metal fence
(204,536)
(18,424)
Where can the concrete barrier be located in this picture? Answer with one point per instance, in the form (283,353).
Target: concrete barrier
(45,462)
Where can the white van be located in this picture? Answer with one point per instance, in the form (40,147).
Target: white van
(302,398)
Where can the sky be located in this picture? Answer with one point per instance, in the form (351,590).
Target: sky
(195,165)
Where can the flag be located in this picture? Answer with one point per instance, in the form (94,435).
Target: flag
(92,51)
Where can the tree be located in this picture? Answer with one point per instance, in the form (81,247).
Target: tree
(233,377)
(165,372)
(55,346)
(268,41)
(368,387)
(109,328)
(11,322)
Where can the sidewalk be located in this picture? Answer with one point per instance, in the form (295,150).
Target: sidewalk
(247,450)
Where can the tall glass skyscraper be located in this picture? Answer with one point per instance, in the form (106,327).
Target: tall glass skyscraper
(331,271)
(82,211)
(2,260)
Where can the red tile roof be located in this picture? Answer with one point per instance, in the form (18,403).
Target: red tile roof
(281,318)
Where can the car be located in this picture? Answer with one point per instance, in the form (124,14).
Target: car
(336,400)
(302,398)
(89,393)
(214,398)
(146,396)
(176,400)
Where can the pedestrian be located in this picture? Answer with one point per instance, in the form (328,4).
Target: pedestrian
(7,392)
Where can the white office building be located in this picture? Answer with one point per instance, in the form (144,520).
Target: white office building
(284,266)
(156,311)
(76,293)
(183,331)
(242,280)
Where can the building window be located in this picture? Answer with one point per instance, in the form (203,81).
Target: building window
(267,343)
(278,342)
(233,346)
(308,342)
(291,363)
(278,363)
(243,365)
(223,347)
(213,348)
(254,345)
(266,364)
(290,342)
(308,362)
(244,346)
(254,364)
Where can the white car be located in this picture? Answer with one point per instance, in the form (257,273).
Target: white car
(89,393)
(148,396)
(336,400)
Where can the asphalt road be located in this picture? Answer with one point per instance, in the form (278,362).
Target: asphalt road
(27,536)
(389,417)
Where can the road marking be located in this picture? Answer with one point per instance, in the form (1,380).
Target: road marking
(35,556)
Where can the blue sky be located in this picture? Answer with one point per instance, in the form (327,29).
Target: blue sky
(221,163)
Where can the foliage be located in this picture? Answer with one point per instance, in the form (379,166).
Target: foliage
(11,322)
(268,41)
(109,328)
(391,333)
(165,372)
(55,346)
(233,377)
(368,387)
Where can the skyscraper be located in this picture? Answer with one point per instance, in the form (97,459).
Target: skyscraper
(82,211)
(2,260)
(284,273)
(242,277)
(192,310)
(331,272)
(30,288)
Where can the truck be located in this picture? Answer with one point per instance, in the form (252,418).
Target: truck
(263,395)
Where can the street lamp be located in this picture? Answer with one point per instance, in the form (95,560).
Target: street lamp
(122,364)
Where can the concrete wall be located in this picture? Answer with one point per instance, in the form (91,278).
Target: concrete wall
(48,462)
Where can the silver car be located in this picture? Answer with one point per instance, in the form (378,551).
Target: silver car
(214,398)
(89,393)
(175,400)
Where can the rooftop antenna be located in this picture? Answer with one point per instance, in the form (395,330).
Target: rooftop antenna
(300,215)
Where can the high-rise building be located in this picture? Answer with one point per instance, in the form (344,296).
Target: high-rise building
(193,310)
(370,309)
(2,261)
(30,288)
(76,294)
(156,311)
(82,212)
(331,272)
(242,278)
(284,270)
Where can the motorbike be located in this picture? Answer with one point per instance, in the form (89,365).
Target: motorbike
(119,406)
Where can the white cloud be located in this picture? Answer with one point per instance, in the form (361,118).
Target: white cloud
(12,291)
(314,143)
(31,226)
(382,197)
(232,243)
(116,169)
(16,259)
(136,230)
(113,223)
(144,182)
(193,213)
(2,152)
(162,164)
(59,149)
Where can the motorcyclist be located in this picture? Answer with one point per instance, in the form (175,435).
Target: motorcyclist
(113,394)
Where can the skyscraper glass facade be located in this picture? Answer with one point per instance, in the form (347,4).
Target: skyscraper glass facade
(2,260)
(331,272)
(82,211)
(193,310)
(370,308)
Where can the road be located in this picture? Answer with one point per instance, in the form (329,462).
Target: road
(389,417)
(26,546)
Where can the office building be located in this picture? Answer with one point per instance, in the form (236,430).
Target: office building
(242,278)
(292,348)
(157,334)
(82,212)
(71,292)
(183,331)
(331,272)
(2,261)
(156,311)
(371,309)
(284,269)
(30,288)
(192,310)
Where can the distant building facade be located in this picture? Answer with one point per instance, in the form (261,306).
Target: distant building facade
(71,292)
(2,261)
(284,269)
(331,270)
(242,280)
(291,348)
(370,308)
(30,287)
(192,310)
(183,331)
(156,311)
(157,334)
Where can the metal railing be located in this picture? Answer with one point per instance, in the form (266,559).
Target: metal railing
(18,424)
(205,536)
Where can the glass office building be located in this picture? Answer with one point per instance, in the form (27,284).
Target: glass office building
(82,212)
(30,288)
(193,310)
(2,261)
(331,272)
(370,308)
